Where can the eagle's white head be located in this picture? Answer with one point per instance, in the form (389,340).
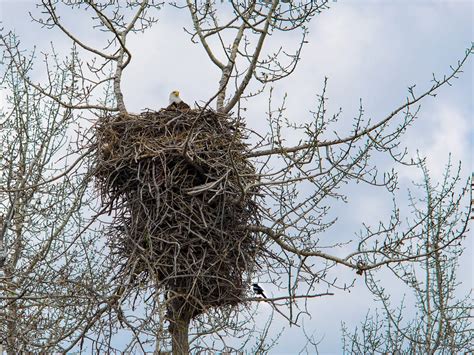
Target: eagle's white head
(174,97)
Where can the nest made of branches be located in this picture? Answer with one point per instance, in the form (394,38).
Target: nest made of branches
(178,183)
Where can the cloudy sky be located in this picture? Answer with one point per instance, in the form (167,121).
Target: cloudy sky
(369,50)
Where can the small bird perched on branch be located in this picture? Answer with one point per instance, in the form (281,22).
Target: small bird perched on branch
(258,290)
(176,102)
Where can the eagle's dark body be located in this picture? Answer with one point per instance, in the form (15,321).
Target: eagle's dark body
(178,106)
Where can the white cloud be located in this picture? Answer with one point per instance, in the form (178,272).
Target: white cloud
(451,135)
(446,131)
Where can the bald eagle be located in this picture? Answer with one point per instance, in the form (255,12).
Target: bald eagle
(176,102)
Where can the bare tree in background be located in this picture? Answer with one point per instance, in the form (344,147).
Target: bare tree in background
(443,322)
(299,183)
(52,275)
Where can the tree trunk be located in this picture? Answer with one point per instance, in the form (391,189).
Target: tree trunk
(179,335)
(179,315)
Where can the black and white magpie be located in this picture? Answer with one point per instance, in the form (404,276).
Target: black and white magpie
(258,290)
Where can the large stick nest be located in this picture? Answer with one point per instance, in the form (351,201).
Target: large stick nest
(176,183)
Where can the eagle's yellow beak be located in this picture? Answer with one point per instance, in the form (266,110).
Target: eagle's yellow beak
(176,92)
